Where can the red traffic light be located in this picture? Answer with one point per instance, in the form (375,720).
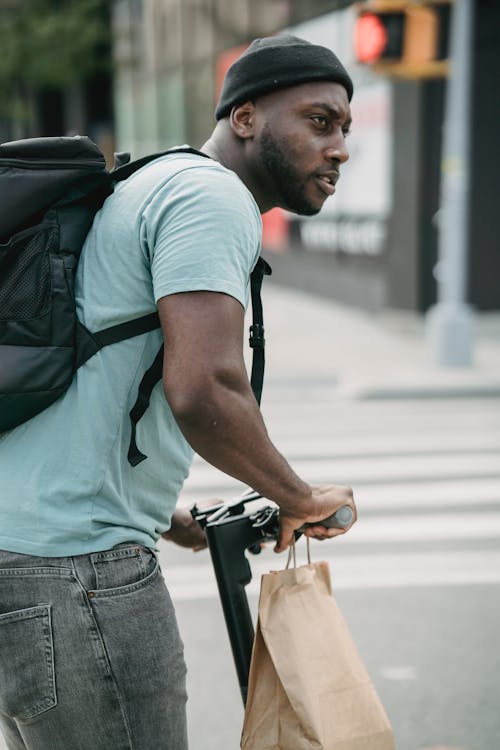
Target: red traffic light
(370,38)
(403,37)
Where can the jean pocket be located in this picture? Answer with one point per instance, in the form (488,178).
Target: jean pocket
(122,568)
(27,676)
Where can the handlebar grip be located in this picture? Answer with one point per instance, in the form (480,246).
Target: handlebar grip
(338,520)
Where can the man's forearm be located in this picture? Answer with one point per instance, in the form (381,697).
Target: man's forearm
(225,427)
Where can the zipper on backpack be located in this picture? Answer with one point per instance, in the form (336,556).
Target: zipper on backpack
(90,164)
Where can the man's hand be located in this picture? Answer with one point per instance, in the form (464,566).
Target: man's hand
(323,502)
(185,531)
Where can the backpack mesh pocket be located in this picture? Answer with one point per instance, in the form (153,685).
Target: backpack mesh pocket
(25,272)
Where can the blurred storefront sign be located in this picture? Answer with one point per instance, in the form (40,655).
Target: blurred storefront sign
(346,234)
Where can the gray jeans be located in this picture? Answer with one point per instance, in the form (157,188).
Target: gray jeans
(90,653)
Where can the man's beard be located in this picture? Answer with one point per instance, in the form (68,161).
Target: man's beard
(285,179)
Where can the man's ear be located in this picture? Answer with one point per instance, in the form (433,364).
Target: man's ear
(242,120)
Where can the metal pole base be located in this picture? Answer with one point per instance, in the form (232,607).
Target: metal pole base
(449,333)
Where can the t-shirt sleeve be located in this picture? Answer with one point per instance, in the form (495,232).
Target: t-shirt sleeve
(202,231)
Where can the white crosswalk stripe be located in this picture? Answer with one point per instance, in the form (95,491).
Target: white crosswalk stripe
(426,477)
(355,572)
(357,471)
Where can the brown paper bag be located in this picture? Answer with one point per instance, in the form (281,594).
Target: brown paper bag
(308,688)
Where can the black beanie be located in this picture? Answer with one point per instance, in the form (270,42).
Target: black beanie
(275,62)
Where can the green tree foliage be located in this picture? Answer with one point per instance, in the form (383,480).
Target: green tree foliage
(48,44)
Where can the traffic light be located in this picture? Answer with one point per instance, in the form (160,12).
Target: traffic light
(401,38)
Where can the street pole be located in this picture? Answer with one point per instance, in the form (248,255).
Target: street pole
(449,322)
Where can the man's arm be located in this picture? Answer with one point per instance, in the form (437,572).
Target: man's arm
(185,531)
(207,387)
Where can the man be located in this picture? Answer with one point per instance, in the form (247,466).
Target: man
(90,655)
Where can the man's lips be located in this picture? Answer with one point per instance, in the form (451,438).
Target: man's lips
(326,181)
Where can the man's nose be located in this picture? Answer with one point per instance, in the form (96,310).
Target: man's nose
(337,149)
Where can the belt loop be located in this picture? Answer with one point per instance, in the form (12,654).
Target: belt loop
(83,570)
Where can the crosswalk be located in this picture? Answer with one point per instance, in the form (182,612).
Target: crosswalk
(426,477)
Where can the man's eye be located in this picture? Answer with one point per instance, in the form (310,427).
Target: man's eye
(320,120)
(346,132)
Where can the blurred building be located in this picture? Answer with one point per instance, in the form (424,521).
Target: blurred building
(54,79)
(166,54)
(375,243)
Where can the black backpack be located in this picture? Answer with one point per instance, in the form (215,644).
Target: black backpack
(50,190)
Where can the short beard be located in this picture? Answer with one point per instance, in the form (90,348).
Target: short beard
(286,181)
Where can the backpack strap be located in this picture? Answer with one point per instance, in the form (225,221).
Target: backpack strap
(141,325)
(124,171)
(154,374)
(151,377)
(89,343)
(257,341)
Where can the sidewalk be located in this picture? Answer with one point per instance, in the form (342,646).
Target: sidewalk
(366,355)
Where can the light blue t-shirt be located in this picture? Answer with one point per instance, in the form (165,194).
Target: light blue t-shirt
(183,223)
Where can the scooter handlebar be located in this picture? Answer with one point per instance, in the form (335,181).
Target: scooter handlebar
(338,520)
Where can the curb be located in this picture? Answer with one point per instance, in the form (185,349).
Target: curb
(380,393)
